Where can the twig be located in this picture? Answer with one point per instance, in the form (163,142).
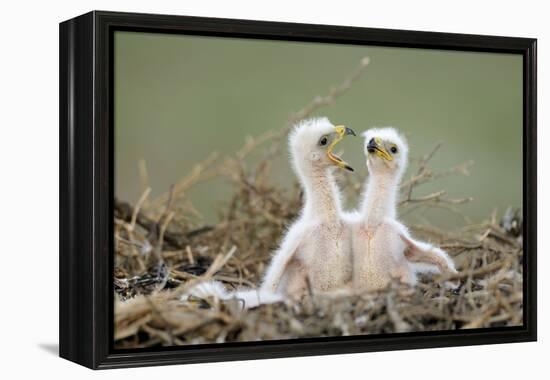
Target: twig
(197,174)
(330,98)
(144,177)
(140,203)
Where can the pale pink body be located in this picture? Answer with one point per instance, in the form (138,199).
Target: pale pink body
(323,258)
(379,257)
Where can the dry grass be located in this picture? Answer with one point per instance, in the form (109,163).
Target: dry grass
(161,251)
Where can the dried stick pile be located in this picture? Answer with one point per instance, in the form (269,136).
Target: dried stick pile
(162,249)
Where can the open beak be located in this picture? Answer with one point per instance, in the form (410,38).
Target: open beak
(340,132)
(375,146)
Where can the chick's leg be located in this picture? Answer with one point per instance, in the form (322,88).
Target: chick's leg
(296,282)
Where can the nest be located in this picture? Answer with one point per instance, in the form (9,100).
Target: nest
(162,249)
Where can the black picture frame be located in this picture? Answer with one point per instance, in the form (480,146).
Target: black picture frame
(86,187)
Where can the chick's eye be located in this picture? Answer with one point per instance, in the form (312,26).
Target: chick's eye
(393,149)
(323,140)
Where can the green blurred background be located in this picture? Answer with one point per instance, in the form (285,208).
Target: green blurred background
(177,98)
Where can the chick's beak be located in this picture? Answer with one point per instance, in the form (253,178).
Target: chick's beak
(340,132)
(349,131)
(375,147)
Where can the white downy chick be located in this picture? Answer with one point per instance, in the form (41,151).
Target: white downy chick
(382,246)
(315,253)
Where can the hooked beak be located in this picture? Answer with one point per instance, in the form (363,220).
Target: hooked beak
(375,147)
(340,132)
